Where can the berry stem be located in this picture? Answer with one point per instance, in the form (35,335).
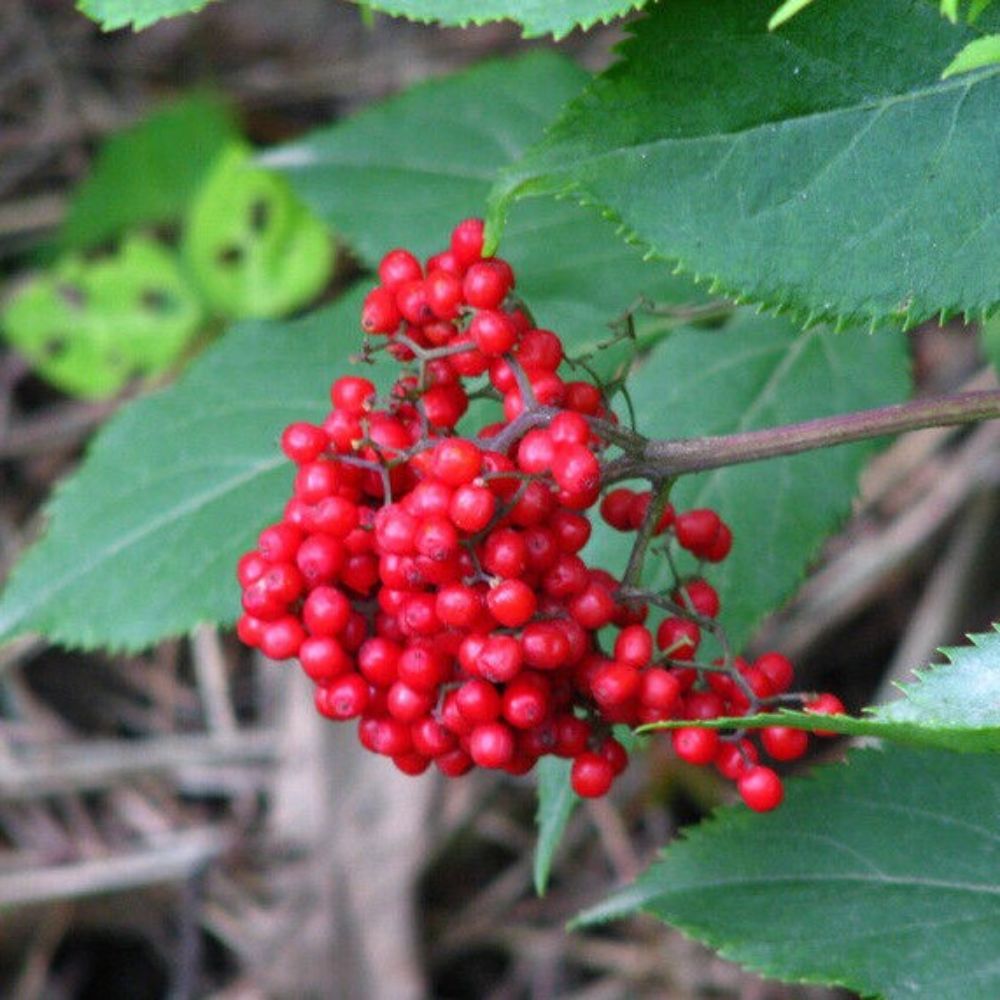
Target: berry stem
(674,457)
(658,503)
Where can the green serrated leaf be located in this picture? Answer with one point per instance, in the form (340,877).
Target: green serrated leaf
(879,875)
(769,161)
(402,173)
(142,541)
(89,327)
(112,14)
(537,17)
(556,802)
(756,372)
(253,247)
(982,52)
(951,707)
(148,173)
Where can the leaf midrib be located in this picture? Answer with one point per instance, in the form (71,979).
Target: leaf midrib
(765,881)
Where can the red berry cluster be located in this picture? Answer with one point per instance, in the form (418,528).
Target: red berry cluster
(432,586)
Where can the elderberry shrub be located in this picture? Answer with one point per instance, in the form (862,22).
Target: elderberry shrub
(431,586)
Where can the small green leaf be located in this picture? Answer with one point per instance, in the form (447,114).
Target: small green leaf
(982,52)
(148,173)
(768,163)
(111,14)
(253,247)
(879,875)
(786,12)
(142,541)
(760,371)
(89,327)
(404,172)
(556,802)
(952,8)
(537,17)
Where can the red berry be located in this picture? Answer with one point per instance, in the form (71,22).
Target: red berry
(303,442)
(378,659)
(699,596)
(491,745)
(678,638)
(594,607)
(735,759)
(478,701)
(526,701)
(505,553)
(471,508)
(634,646)
(352,394)
(616,509)
(379,313)
(697,530)
(397,267)
(784,743)
(326,611)
(279,542)
(696,746)
(467,241)
(721,547)
(591,775)
(344,698)
(760,788)
(569,428)
(539,351)
(456,461)
(487,283)
(444,294)
(578,473)
(494,332)
(615,754)
(512,603)
(499,660)
(659,691)
(777,669)
(544,645)
(615,684)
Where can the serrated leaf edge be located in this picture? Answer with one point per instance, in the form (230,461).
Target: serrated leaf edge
(526,32)
(508,188)
(719,823)
(135,21)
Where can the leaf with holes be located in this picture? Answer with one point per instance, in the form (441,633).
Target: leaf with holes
(755,372)
(88,327)
(769,162)
(148,173)
(111,14)
(879,875)
(400,173)
(253,247)
(142,541)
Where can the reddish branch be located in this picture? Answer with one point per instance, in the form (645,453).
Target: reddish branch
(669,458)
